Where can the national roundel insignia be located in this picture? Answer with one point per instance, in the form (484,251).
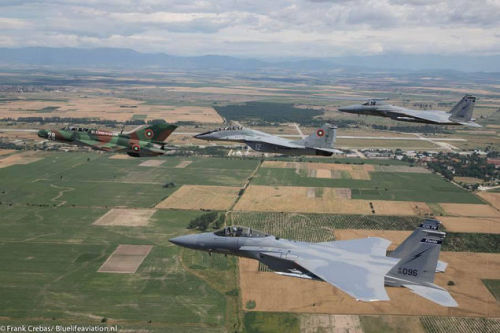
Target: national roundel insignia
(136,148)
(320,132)
(149,133)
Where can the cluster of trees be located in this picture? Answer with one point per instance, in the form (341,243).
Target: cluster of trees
(73,120)
(268,112)
(202,222)
(452,164)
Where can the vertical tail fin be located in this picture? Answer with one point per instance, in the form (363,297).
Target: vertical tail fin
(420,265)
(157,131)
(416,270)
(428,227)
(462,111)
(323,137)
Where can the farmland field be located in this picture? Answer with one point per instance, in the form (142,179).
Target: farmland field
(400,186)
(63,214)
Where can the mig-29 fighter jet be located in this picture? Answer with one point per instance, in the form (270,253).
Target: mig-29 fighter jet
(146,140)
(321,142)
(460,114)
(359,267)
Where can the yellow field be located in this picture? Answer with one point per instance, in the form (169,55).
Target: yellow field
(120,109)
(489,225)
(321,200)
(273,292)
(325,170)
(6,151)
(152,163)
(21,158)
(455,209)
(201,197)
(126,217)
(121,157)
(125,259)
(492,198)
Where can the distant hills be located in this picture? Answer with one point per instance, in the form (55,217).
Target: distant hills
(128,58)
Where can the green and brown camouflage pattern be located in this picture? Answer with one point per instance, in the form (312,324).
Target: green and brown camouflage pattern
(146,140)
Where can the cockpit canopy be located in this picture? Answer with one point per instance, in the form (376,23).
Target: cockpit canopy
(373,102)
(237,231)
(77,129)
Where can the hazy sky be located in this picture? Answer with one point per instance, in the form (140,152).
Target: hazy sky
(271,28)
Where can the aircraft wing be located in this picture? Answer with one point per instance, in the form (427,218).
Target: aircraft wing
(372,245)
(435,294)
(469,124)
(111,147)
(275,140)
(359,271)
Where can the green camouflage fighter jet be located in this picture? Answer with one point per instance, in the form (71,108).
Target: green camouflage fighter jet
(146,140)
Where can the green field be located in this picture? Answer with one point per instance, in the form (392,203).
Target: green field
(73,179)
(50,251)
(399,186)
(270,322)
(50,257)
(494,288)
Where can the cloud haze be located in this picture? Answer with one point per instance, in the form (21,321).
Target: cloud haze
(279,28)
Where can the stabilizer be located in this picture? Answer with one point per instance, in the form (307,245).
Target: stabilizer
(433,293)
(428,227)
(462,111)
(155,132)
(323,137)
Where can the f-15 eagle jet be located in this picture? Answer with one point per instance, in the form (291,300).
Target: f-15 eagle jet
(460,114)
(321,142)
(359,267)
(143,141)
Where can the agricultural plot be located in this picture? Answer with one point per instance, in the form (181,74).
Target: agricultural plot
(434,324)
(20,158)
(152,163)
(111,108)
(125,259)
(321,200)
(201,197)
(473,210)
(494,288)
(126,217)
(325,170)
(39,246)
(396,186)
(492,198)
(471,224)
(317,227)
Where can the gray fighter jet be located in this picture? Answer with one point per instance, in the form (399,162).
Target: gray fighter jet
(321,142)
(359,267)
(460,114)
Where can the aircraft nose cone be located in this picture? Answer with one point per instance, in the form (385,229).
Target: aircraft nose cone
(43,133)
(185,241)
(200,136)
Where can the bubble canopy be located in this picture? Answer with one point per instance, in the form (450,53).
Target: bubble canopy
(238,231)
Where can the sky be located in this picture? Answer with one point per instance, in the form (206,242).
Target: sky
(261,29)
